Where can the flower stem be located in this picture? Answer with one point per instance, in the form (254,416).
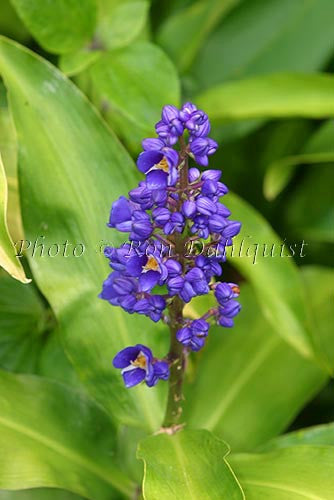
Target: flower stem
(177,362)
(176,355)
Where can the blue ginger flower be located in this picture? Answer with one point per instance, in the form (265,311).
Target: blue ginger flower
(178,230)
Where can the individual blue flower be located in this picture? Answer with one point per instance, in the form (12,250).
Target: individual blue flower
(138,365)
(170,127)
(209,265)
(201,148)
(120,290)
(149,268)
(159,167)
(195,120)
(193,335)
(141,228)
(227,312)
(175,224)
(192,284)
(225,292)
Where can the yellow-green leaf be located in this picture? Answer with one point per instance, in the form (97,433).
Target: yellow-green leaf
(187,465)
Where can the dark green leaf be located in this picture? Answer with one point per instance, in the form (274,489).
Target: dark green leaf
(315,187)
(319,149)
(183,33)
(266,36)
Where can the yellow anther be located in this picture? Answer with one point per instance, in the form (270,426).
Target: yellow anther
(151,264)
(140,361)
(163,165)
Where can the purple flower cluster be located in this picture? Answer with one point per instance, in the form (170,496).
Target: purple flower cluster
(172,209)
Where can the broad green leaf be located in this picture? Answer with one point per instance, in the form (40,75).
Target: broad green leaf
(10,23)
(319,284)
(316,187)
(259,255)
(75,62)
(131,86)
(51,436)
(242,388)
(62,138)
(54,364)
(59,26)
(8,259)
(271,96)
(318,435)
(38,494)
(120,22)
(23,321)
(188,465)
(319,149)
(8,151)
(280,172)
(183,33)
(266,36)
(287,474)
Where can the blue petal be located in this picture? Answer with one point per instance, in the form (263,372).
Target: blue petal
(133,377)
(148,280)
(157,179)
(147,159)
(135,265)
(124,357)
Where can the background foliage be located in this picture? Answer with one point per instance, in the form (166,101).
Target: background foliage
(82,83)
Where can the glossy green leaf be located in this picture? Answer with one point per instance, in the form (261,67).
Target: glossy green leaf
(242,388)
(8,259)
(271,96)
(120,22)
(38,494)
(63,138)
(59,26)
(266,36)
(259,255)
(183,33)
(317,435)
(287,474)
(75,62)
(52,436)
(8,151)
(319,149)
(23,320)
(10,23)
(54,364)
(319,284)
(131,86)
(316,186)
(189,465)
